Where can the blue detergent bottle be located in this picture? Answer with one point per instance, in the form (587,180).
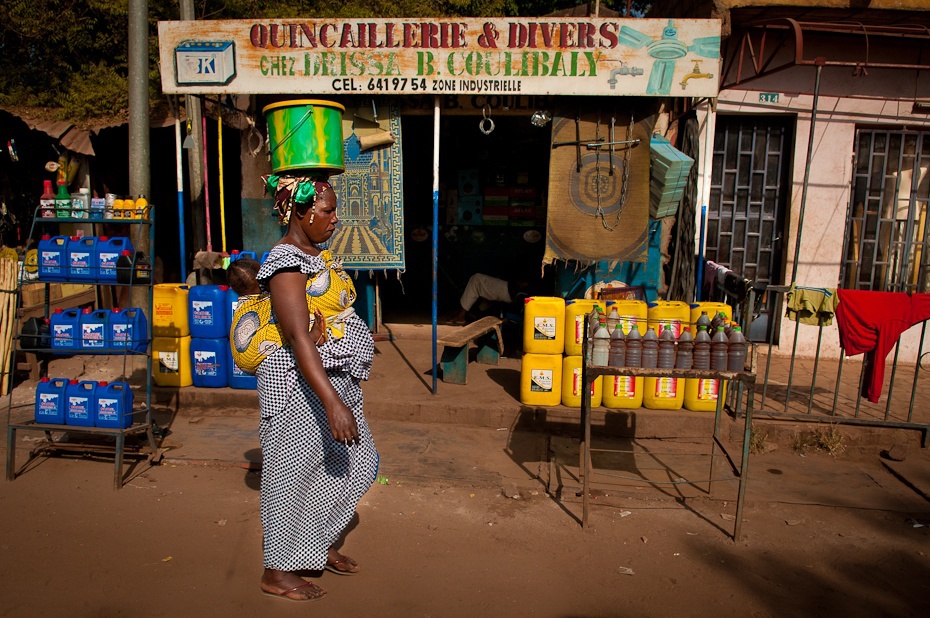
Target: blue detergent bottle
(53,253)
(82,258)
(80,398)
(208,310)
(65,327)
(128,329)
(237,377)
(208,362)
(108,252)
(94,327)
(113,407)
(50,400)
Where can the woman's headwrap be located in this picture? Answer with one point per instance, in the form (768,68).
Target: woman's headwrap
(290,190)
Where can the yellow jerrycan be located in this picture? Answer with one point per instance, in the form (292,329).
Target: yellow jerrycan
(572,384)
(171,361)
(541,380)
(632,312)
(543,325)
(576,313)
(169,310)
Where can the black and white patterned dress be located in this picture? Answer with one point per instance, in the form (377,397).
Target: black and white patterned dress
(311,483)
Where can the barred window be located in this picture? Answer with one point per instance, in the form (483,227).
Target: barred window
(886,244)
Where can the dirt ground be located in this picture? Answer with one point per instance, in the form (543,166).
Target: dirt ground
(185,540)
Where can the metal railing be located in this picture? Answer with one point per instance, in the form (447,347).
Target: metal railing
(802,387)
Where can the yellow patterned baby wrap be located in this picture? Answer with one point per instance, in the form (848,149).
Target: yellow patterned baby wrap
(255,333)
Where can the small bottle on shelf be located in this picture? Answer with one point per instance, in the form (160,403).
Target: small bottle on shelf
(62,200)
(47,201)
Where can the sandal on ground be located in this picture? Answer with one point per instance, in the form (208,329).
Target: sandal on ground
(320,593)
(343,566)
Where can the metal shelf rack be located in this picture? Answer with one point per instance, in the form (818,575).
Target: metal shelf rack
(75,433)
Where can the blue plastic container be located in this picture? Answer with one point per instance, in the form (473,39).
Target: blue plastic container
(264,257)
(207,311)
(53,255)
(208,362)
(113,407)
(232,301)
(128,328)
(82,258)
(94,328)
(80,399)
(108,252)
(248,254)
(50,401)
(237,377)
(66,329)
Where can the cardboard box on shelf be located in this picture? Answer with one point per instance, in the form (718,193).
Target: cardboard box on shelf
(70,289)
(34,293)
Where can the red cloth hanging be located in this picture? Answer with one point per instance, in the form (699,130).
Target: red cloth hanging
(871,322)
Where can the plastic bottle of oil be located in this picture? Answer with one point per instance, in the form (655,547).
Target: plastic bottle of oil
(634,348)
(664,393)
(617,356)
(685,357)
(650,349)
(719,350)
(666,358)
(736,354)
(700,393)
(601,350)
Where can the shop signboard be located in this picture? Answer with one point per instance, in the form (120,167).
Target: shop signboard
(469,56)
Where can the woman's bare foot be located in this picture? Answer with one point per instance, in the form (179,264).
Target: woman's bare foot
(288,585)
(339,564)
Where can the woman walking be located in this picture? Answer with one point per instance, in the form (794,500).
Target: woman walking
(318,456)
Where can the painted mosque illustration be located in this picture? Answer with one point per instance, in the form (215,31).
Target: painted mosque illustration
(369,207)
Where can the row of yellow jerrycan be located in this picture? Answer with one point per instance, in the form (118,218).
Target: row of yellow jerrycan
(553,325)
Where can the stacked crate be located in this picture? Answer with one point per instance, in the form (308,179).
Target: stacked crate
(669,176)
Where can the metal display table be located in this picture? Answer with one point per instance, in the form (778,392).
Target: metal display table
(740,470)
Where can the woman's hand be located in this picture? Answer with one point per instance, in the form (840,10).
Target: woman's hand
(318,332)
(342,422)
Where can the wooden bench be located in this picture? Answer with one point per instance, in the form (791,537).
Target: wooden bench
(486,333)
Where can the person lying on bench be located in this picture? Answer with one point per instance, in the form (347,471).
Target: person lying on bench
(481,286)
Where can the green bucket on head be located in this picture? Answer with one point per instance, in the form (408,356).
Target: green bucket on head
(305,134)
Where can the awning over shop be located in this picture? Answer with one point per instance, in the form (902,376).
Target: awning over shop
(69,136)
(76,136)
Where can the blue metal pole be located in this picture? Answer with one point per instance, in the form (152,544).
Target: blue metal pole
(700,259)
(435,238)
(178,151)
